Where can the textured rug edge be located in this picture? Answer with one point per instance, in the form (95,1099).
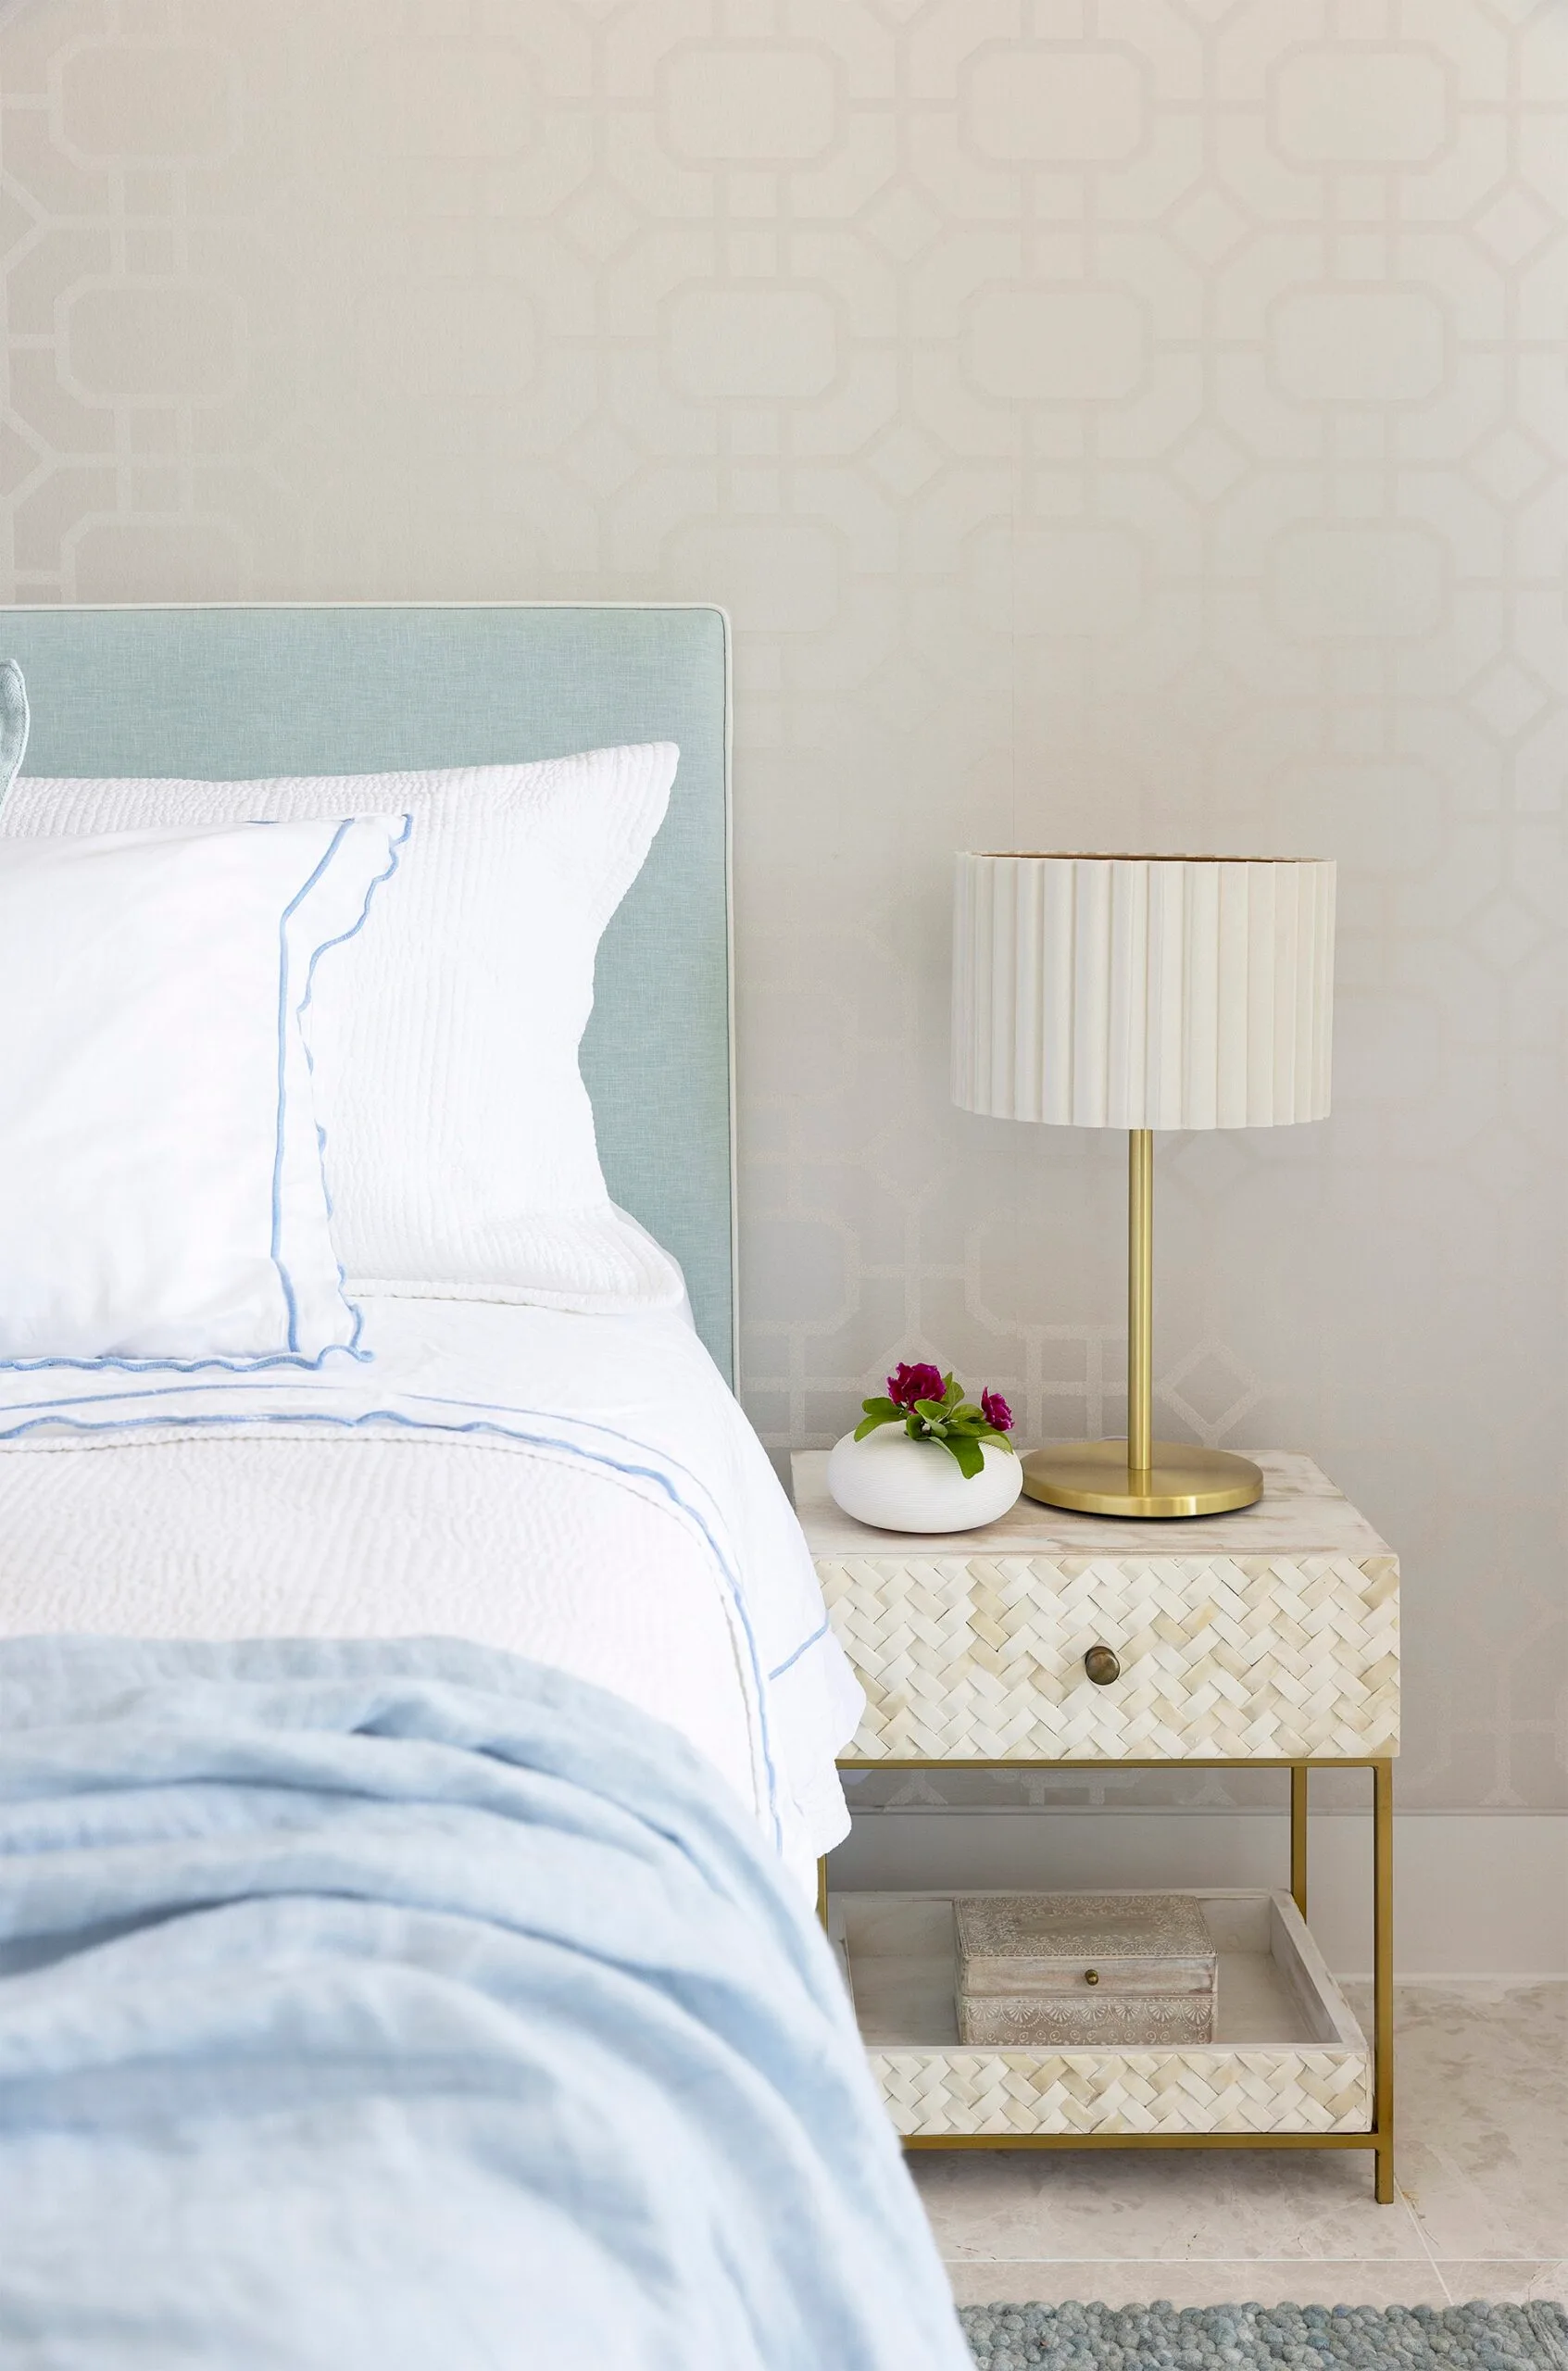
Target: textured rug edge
(1530,2336)
(1551,2325)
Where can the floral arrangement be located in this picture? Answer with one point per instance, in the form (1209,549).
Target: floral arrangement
(930,1407)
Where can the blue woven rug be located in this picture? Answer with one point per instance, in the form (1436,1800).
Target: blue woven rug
(1268,2337)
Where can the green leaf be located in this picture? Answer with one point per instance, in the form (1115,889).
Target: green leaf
(966,1455)
(868,1423)
(934,1411)
(885,1409)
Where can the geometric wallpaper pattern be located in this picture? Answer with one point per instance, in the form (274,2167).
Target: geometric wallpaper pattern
(1132,424)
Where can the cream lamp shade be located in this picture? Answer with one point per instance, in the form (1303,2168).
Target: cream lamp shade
(1143,992)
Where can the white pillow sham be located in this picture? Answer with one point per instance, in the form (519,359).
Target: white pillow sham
(162,1200)
(461,1150)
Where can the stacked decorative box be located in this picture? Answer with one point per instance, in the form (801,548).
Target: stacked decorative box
(1059,1970)
(1268,1636)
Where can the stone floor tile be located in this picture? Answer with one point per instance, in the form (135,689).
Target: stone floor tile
(1504,2280)
(1224,2282)
(1167,2205)
(1482,2130)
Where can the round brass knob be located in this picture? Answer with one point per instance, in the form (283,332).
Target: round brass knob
(1091,1976)
(1101,1666)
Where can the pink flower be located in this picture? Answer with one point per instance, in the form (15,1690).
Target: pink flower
(995,1410)
(914,1383)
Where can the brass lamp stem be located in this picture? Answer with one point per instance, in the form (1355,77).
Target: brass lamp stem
(1140,1477)
(1140,1303)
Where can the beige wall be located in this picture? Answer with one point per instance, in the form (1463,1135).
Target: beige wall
(1110,422)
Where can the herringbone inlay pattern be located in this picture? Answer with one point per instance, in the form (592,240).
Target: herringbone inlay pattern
(1253,1657)
(1214,2089)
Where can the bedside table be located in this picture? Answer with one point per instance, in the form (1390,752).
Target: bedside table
(1268,1636)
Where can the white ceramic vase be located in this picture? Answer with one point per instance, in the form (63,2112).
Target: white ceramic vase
(899,1484)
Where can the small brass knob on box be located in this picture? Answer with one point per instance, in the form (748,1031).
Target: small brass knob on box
(1101,1666)
(1091,1976)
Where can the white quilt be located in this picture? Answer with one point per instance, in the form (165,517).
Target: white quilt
(581,1490)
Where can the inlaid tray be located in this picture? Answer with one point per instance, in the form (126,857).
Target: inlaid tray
(1288,2054)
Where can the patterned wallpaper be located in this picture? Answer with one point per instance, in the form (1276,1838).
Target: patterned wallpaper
(1111,422)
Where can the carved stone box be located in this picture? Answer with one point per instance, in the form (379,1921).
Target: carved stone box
(1038,1970)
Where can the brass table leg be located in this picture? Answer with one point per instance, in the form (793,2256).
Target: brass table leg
(1383,1974)
(822,1891)
(1298,1835)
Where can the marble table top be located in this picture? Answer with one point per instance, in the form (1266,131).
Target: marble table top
(1301,1513)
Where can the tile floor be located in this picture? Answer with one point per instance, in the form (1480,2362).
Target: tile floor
(1481,2156)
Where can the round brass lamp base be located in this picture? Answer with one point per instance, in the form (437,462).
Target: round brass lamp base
(1093,1478)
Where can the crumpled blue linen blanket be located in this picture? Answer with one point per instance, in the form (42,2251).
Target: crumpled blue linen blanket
(404,2004)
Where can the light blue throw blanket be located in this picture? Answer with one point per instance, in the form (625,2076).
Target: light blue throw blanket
(397,2004)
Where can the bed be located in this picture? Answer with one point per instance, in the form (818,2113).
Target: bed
(520,1596)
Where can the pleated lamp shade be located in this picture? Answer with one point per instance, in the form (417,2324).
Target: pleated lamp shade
(1143,992)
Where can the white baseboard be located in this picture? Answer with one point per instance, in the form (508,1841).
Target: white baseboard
(1478,1894)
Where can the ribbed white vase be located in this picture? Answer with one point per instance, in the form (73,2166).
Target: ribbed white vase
(1143,992)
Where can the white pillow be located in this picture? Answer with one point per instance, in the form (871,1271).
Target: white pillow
(461,1148)
(161,1191)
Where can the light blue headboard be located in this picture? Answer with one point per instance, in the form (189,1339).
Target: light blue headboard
(228,694)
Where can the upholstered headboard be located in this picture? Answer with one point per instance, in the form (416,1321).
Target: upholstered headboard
(229,692)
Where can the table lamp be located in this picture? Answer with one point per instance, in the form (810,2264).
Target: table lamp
(1143,992)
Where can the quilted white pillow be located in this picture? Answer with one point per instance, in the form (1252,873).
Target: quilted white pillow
(162,1200)
(461,1147)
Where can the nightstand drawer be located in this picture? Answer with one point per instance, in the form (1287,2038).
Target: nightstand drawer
(972,1657)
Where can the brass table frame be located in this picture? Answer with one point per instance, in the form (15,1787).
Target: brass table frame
(1379,2136)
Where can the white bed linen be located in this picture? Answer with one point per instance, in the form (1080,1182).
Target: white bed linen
(162,1196)
(583,1490)
(461,1148)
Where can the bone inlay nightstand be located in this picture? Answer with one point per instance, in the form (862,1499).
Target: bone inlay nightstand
(1268,1636)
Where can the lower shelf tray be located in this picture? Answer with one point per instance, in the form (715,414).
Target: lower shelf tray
(1288,2056)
